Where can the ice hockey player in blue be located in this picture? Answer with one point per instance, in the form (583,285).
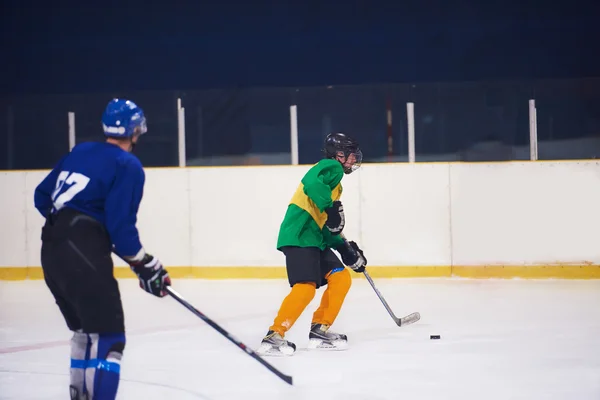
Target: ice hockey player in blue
(90,201)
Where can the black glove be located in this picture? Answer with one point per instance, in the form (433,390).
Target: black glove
(153,277)
(353,256)
(335,218)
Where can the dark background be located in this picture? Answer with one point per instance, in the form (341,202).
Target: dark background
(469,67)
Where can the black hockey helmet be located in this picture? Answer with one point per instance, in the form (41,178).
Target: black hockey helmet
(340,145)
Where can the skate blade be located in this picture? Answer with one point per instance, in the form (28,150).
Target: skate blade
(266,349)
(319,344)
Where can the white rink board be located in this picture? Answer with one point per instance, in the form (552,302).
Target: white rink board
(405,216)
(529,213)
(439,214)
(13,217)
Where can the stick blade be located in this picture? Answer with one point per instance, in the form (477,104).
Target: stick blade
(409,319)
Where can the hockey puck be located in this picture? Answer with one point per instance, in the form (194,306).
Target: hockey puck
(434,336)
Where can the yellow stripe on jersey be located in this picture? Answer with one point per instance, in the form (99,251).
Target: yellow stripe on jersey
(301,200)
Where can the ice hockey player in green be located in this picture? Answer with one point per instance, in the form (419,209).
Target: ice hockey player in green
(310,230)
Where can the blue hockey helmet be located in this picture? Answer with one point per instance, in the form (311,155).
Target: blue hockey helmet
(122,119)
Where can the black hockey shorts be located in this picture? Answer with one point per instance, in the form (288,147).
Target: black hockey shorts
(309,264)
(78,269)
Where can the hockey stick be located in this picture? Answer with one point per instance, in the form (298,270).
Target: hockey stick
(406,320)
(249,351)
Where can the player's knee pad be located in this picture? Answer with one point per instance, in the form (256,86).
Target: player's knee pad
(340,277)
(304,291)
(96,364)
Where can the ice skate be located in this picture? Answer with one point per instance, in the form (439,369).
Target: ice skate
(75,395)
(320,338)
(273,344)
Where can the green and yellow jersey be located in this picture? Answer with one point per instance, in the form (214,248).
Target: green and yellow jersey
(304,221)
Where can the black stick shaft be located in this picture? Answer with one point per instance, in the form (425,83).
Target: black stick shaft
(379,295)
(385,304)
(249,351)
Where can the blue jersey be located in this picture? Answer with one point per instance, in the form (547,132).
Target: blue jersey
(100,180)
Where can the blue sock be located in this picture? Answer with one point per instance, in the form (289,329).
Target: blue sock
(102,365)
(107,365)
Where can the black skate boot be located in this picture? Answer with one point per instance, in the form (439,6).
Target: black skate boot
(75,395)
(320,338)
(273,344)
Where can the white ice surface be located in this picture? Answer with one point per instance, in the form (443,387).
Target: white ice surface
(500,339)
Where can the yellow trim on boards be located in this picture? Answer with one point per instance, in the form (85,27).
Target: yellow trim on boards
(567,271)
